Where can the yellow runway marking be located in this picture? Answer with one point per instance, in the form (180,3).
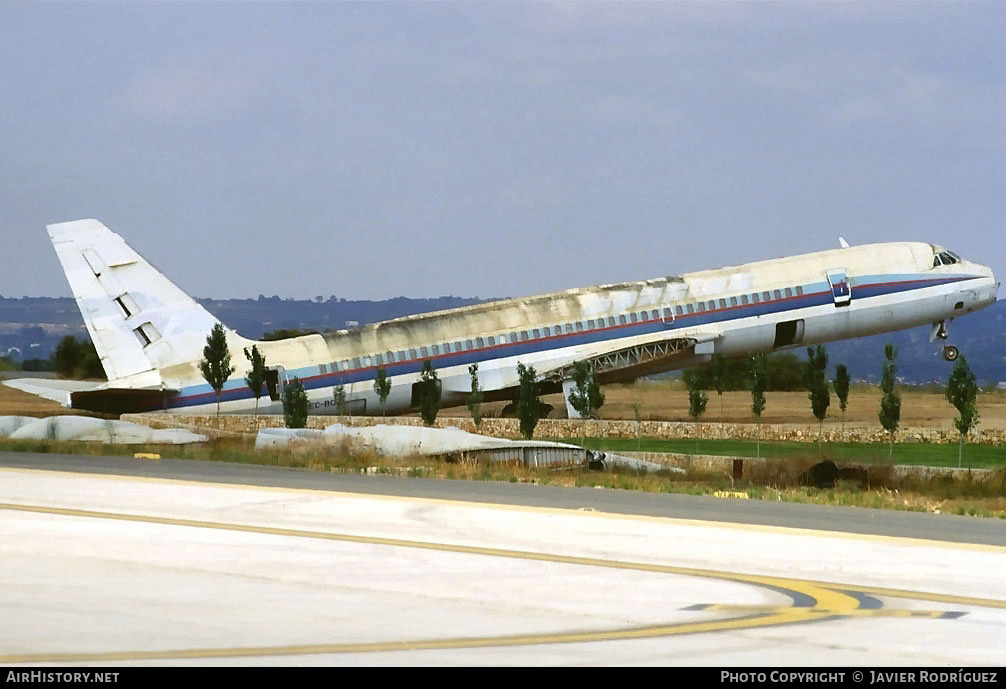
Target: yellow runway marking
(826,600)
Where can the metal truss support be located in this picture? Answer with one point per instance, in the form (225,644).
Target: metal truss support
(629,357)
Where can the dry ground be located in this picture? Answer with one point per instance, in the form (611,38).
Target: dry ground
(668,401)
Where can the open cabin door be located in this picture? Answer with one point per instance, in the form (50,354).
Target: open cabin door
(841,290)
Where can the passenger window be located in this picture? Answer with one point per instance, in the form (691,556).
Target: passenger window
(733,301)
(701,306)
(712,304)
(744,299)
(492,341)
(621,319)
(765,296)
(579,326)
(457,346)
(654,314)
(644,316)
(689,308)
(611,321)
(789,292)
(777,294)
(678,310)
(468,345)
(480,342)
(424,352)
(523,335)
(401,355)
(755,298)
(436,350)
(513,337)
(633,317)
(379,359)
(799,290)
(356,362)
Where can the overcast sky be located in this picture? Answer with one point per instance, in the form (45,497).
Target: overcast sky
(494,149)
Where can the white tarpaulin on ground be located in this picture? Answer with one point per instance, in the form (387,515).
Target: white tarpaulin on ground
(9,424)
(85,428)
(401,441)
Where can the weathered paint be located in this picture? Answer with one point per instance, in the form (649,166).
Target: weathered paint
(733,310)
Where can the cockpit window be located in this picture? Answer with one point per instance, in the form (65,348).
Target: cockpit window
(947,258)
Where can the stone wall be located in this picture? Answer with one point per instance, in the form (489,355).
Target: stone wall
(551,429)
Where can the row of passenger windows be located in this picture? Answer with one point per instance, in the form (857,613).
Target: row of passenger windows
(555,330)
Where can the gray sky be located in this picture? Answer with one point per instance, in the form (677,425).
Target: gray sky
(490,149)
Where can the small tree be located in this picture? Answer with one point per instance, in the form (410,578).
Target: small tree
(636,407)
(528,406)
(339,397)
(816,382)
(962,392)
(475,397)
(697,402)
(758,375)
(429,393)
(256,376)
(719,381)
(216,364)
(841,384)
(382,386)
(295,404)
(586,396)
(66,356)
(890,402)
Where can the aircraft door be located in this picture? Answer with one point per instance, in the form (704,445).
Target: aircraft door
(841,290)
(275,378)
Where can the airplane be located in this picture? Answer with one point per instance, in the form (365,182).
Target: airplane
(150,335)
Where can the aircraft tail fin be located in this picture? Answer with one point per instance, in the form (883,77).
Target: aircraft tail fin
(139,321)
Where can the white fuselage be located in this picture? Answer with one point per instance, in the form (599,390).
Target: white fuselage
(757,307)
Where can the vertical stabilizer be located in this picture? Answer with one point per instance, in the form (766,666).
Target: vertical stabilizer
(139,321)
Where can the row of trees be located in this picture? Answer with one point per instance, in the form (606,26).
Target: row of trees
(961,391)
(587,398)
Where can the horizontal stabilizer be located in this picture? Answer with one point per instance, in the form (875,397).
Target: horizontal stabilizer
(51,389)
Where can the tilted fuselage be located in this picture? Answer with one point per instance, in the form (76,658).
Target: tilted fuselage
(756,307)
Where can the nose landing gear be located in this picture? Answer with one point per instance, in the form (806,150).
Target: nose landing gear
(950,352)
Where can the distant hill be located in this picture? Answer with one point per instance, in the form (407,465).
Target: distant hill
(34,325)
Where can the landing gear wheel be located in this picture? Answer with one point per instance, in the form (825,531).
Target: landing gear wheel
(950,353)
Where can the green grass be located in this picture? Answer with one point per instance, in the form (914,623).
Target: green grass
(975,456)
(776,479)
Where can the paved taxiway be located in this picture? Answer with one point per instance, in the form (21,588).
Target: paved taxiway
(115,560)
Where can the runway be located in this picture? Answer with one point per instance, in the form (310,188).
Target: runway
(111,568)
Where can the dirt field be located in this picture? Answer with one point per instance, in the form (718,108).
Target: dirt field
(664,401)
